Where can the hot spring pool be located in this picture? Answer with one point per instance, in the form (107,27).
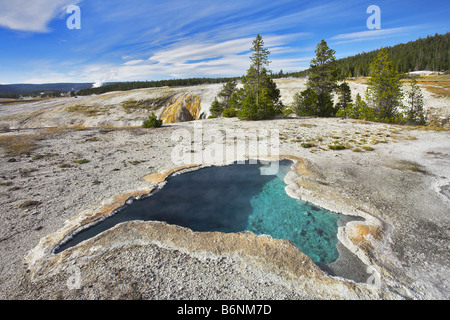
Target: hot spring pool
(229,199)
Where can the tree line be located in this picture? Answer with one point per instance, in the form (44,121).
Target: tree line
(430,53)
(260,99)
(126,86)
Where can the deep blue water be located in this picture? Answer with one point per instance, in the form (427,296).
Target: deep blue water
(229,199)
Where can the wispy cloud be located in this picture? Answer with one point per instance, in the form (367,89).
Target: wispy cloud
(150,40)
(371,34)
(31,16)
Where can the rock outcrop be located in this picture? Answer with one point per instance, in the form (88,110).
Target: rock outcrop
(186,108)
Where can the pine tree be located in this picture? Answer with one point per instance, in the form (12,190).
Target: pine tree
(384,94)
(305,102)
(227,91)
(259,60)
(260,98)
(321,83)
(216,109)
(414,113)
(345,96)
(323,74)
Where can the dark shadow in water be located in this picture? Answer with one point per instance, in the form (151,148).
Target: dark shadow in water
(208,199)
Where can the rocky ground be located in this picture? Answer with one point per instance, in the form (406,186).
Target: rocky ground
(393,178)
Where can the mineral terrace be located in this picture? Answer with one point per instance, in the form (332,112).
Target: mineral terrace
(82,165)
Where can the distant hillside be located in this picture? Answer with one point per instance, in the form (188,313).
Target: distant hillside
(32,89)
(126,86)
(431,53)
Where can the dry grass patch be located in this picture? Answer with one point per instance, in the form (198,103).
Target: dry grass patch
(16,145)
(88,111)
(438,91)
(152,104)
(308,125)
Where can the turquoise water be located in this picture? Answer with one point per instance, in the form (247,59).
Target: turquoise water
(233,198)
(311,229)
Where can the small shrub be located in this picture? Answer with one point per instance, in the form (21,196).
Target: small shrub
(357,150)
(367,148)
(337,147)
(81,161)
(65,165)
(229,113)
(287,111)
(307,145)
(152,122)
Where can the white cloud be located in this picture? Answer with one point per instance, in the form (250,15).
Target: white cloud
(370,34)
(31,16)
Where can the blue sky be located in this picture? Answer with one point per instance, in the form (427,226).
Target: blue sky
(152,40)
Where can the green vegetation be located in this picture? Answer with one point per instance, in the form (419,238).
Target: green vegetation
(229,113)
(152,122)
(384,92)
(383,96)
(43,156)
(345,96)
(430,53)
(316,100)
(259,98)
(414,112)
(383,101)
(307,145)
(81,161)
(226,105)
(337,147)
(216,109)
